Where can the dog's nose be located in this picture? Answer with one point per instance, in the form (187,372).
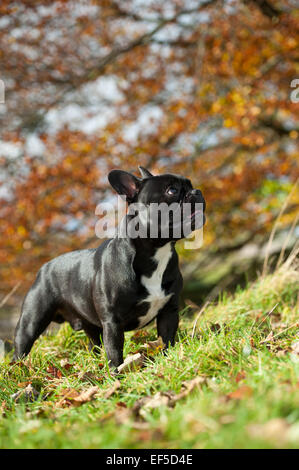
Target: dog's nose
(195,195)
(196,192)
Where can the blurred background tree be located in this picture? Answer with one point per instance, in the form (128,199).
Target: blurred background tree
(201,88)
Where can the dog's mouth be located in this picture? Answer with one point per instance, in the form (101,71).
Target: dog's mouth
(195,220)
(195,213)
(187,217)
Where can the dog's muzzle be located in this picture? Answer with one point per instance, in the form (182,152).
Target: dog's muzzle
(194,196)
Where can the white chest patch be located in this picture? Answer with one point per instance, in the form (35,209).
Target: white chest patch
(156,295)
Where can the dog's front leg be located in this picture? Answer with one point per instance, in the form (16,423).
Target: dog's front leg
(113,338)
(167,323)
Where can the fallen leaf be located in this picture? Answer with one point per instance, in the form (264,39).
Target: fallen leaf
(24,384)
(86,395)
(240,376)
(140,336)
(168,398)
(145,404)
(54,372)
(151,348)
(108,393)
(131,363)
(121,404)
(274,430)
(242,392)
(67,395)
(71,396)
(155,345)
(64,363)
(189,386)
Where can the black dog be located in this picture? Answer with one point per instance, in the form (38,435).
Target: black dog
(123,284)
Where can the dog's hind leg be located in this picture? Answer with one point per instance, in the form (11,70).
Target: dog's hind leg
(37,313)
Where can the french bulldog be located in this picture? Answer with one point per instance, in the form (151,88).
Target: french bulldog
(127,281)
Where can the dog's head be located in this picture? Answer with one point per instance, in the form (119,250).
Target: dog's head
(167,206)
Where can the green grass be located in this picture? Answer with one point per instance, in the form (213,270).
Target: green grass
(250,397)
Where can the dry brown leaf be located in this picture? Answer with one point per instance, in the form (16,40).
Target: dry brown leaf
(131,363)
(154,345)
(54,372)
(169,398)
(66,396)
(86,395)
(108,393)
(65,364)
(71,396)
(24,384)
(240,376)
(151,348)
(274,430)
(145,404)
(242,392)
(189,386)
(140,336)
(69,393)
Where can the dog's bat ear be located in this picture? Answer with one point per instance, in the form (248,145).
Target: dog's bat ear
(124,183)
(144,172)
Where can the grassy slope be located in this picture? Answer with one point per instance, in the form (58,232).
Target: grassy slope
(250,398)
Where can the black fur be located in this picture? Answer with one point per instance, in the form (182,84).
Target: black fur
(100,290)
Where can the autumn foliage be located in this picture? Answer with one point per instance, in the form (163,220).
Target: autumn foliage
(201,88)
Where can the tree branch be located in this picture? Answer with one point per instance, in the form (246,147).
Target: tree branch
(266,8)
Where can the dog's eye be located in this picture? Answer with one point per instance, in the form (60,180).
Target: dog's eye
(172,191)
